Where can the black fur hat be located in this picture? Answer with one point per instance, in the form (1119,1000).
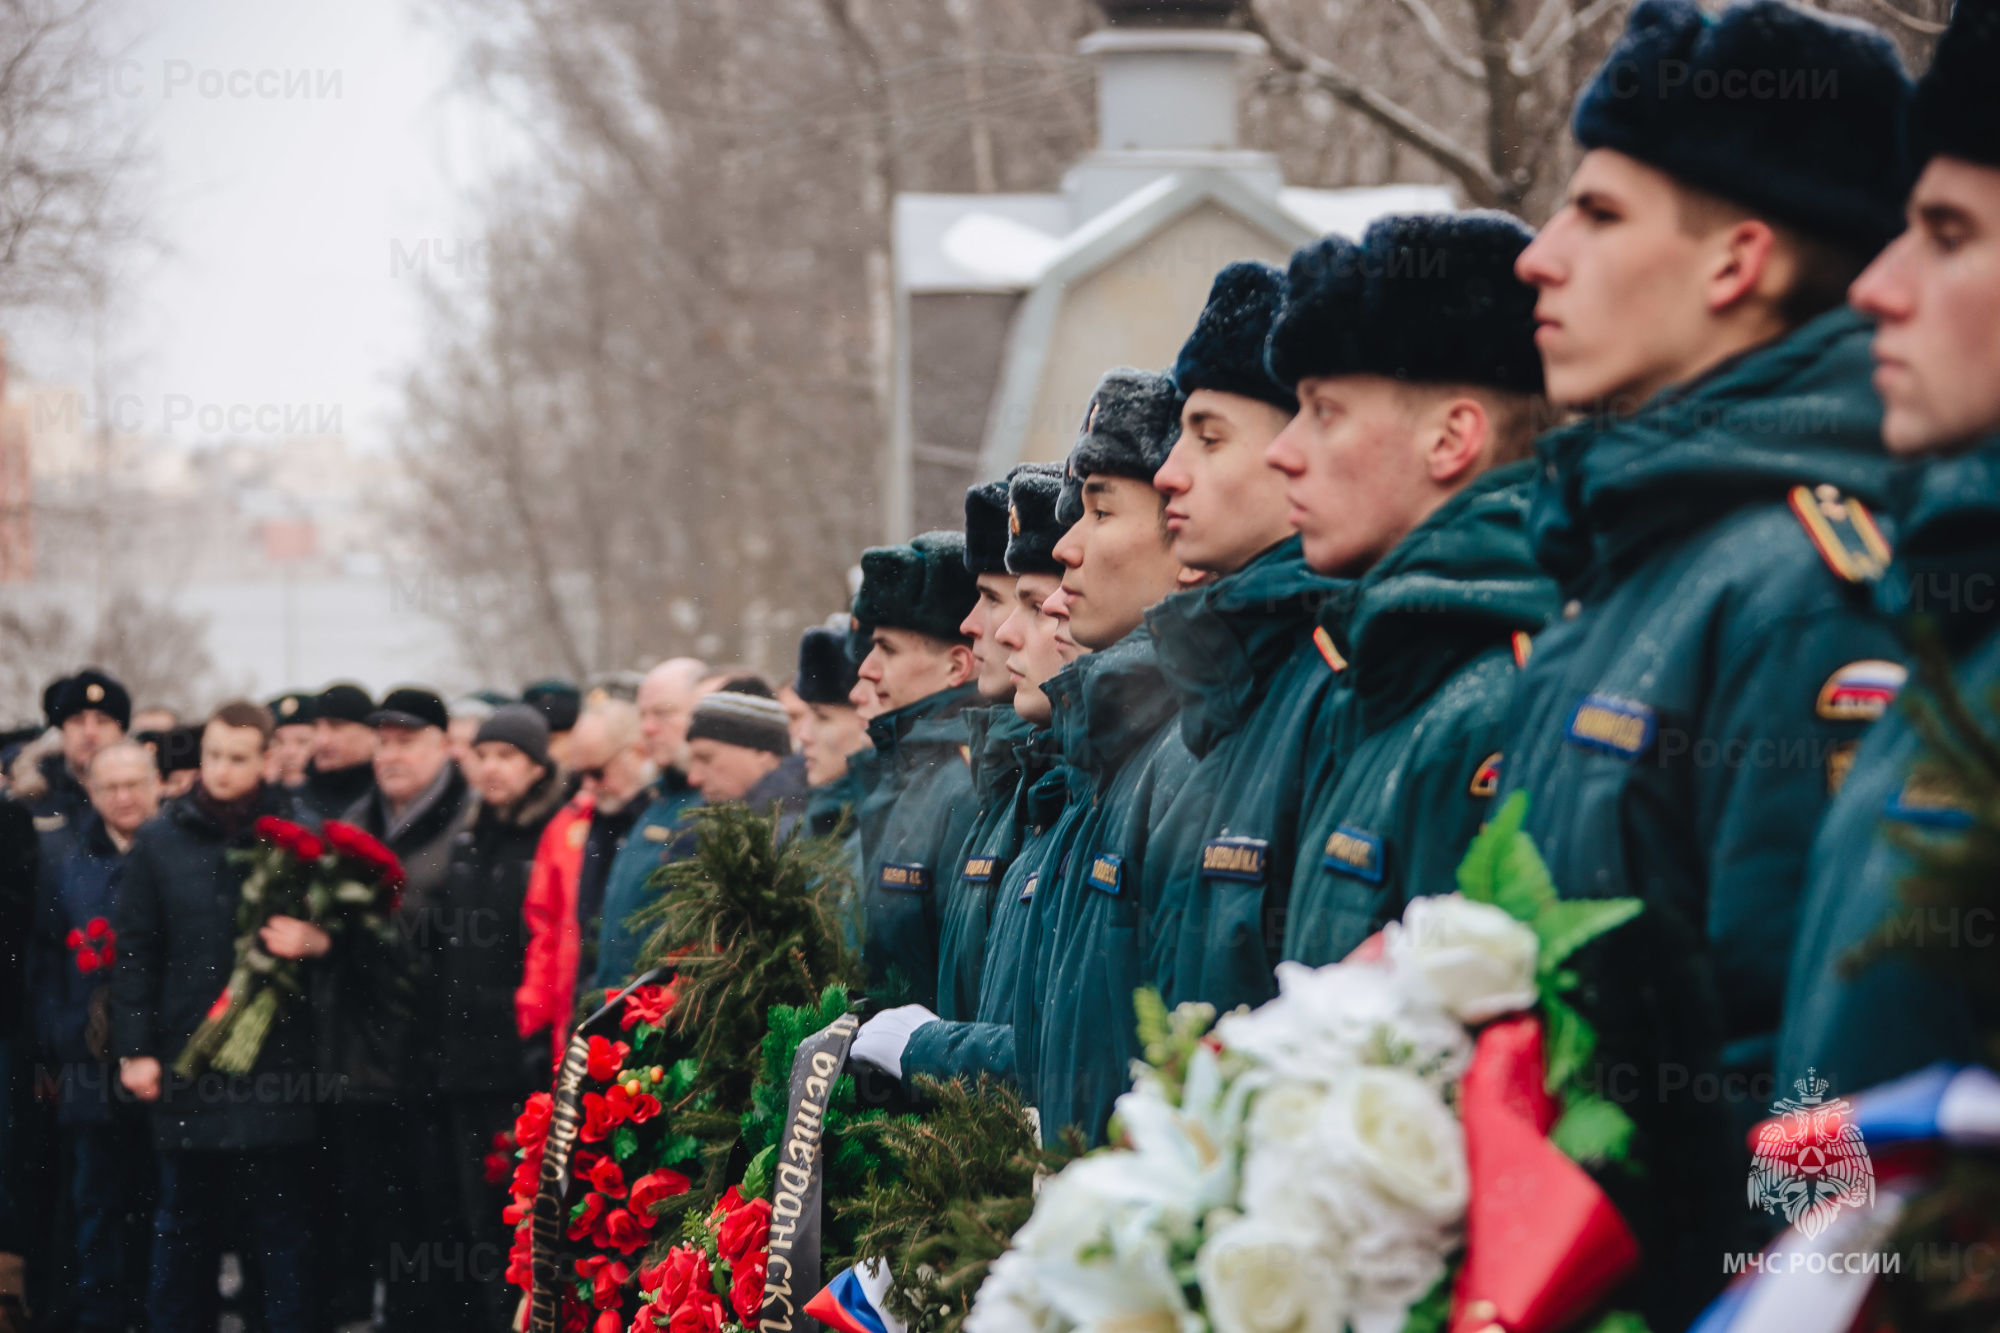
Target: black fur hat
(1226,350)
(986,528)
(920,586)
(1130,427)
(89,690)
(1032,491)
(826,672)
(1794,114)
(1430,298)
(1956,112)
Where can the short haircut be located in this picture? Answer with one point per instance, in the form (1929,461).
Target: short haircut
(243,713)
(1825,268)
(621,721)
(126,746)
(1511,416)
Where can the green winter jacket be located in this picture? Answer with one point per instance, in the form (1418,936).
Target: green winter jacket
(1894,1017)
(985,1043)
(1669,734)
(916,808)
(628,884)
(1239,653)
(1418,715)
(1115,719)
(976,871)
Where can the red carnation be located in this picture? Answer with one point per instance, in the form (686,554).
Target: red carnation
(746,1287)
(607,1179)
(647,1004)
(593,1209)
(606,1058)
(701,1312)
(531,1127)
(98,928)
(653,1187)
(619,1231)
(87,960)
(744,1230)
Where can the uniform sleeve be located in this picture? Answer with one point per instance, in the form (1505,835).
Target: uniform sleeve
(138,974)
(961,1050)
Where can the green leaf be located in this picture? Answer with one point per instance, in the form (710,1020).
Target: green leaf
(624,1142)
(1593,1131)
(1565,927)
(1432,1314)
(1480,869)
(1618,1321)
(643,1033)
(577,1211)
(1571,1042)
(1522,887)
(757,1176)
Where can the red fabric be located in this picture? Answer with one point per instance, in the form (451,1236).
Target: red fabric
(547,993)
(1542,1243)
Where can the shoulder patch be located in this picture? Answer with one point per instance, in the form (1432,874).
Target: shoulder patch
(1486,778)
(1860,691)
(1842,531)
(1524,647)
(1029,885)
(1928,803)
(1614,726)
(658,833)
(978,869)
(1324,642)
(1354,851)
(1106,871)
(904,877)
(1236,858)
(50,823)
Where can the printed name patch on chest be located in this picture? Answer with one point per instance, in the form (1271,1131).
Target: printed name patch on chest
(1106,872)
(1028,889)
(1860,691)
(1236,858)
(1613,726)
(1356,852)
(978,869)
(1928,803)
(905,877)
(658,833)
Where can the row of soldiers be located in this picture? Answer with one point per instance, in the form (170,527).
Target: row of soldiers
(1602,515)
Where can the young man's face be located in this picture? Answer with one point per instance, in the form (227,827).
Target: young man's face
(996,596)
(1624,308)
(722,772)
(293,745)
(1029,635)
(905,666)
(339,744)
(1935,297)
(232,760)
(1117,560)
(834,732)
(1225,505)
(501,772)
(84,734)
(1358,473)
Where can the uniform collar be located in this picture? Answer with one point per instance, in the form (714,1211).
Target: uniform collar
(934,719)
(1107,705)
(1947,542)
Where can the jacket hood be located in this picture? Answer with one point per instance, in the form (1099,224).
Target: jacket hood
(1108,705)
(936,719)
(1459,584)
(1947,562)
(1219,645)
(1798,411)
(993,734)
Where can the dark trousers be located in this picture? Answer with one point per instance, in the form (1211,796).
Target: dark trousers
(448,1262)
(114,1188)
(267,1189)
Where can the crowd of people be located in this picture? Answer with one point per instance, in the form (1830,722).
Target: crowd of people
(1644,516)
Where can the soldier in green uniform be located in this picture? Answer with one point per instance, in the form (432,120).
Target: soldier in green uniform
(834,733)
(1935,297)
(916,802)
(1681,724)
(1410,474)
(1240,653)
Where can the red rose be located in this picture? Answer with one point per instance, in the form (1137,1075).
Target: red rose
(744,1230)
(600,1117)
(610,1321)
(685,1269)
(647,1004)
(606,1276)
(731,1200)
(606,1058)
(746,1287)
(99,929)
(649,1190)
(593,1208)
(619,1231)
(701,1312)
(521,1259)
(358,845)
(639,1109)
(607,1179)
(531,1127)
(87,960)
(527,1179)
(517,1212)
(73,940)
(499,1166)
(575,1319)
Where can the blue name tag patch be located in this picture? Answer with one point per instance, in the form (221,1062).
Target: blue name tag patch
(1356,852)
(1106,872)
(1236,858)
(1028,889)
(1928,805)
(1612,726)
(905,877)
(978,869)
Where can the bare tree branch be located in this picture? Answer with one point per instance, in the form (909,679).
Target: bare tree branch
(1455,60)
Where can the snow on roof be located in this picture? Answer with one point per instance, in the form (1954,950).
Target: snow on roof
(1348,212)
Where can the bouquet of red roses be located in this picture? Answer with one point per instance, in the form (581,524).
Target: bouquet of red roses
(337,879)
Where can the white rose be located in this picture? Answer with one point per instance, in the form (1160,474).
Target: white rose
(1342,1016)
(1477,960)
(1011,1301)
(1260,1277)
(1406,1143)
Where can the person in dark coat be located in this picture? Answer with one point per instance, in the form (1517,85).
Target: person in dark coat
(478,1070)
(239,1144)
(835,730)
(342,770)
(20,861)
(91,710)
(108,1138)
(615,770)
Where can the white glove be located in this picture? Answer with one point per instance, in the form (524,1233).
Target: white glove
(883,1038)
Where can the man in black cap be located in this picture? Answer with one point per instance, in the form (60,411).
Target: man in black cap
(342,771)
(561,704)
(834,729)
(91,710)
(292,745)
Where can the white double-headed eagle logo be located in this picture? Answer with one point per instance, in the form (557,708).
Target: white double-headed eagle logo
(1810,1161)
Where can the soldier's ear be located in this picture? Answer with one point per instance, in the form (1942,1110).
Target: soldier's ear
(1455,435)
(963,667)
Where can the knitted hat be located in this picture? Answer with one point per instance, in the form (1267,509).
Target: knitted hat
(1794,114)
(749,720)
(292,710)
(826,672)
(521,726)
(1430,298)
(89,690)
(412,708)
(1032,492)
(1956,112)
(343,703)
(986,528)
(559,701)
(1226,350)
(922,586)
